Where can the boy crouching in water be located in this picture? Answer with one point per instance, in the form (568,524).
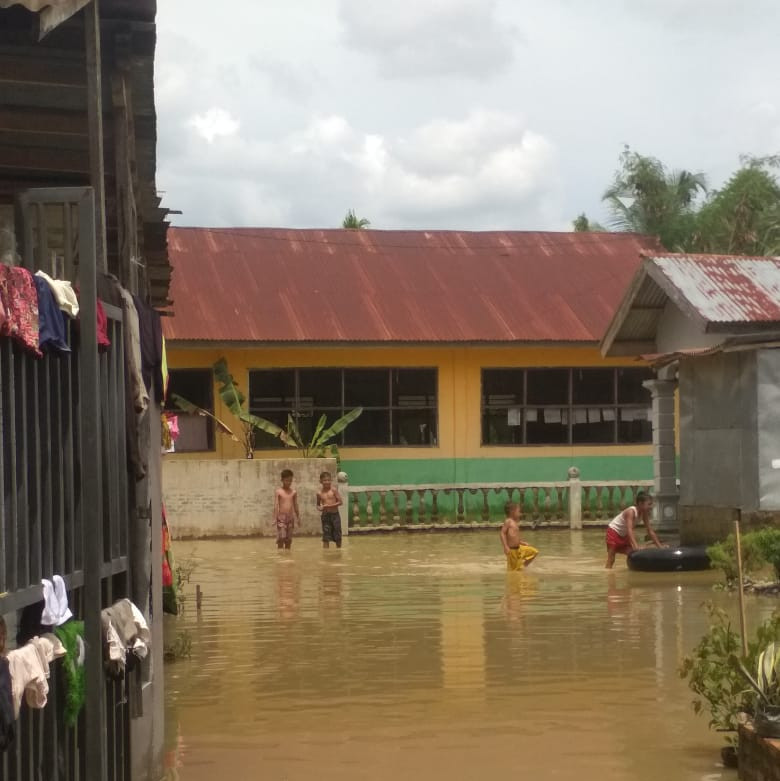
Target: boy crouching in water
(286,513)
(328,503)
(519,553)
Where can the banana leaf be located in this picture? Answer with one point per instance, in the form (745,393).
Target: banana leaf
(187,406)
(335,428)
(293,434)
(229,392)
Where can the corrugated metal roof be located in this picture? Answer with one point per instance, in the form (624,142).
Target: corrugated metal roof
(279,285)
(725,288)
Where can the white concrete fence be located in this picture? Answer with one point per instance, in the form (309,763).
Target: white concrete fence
(571,503)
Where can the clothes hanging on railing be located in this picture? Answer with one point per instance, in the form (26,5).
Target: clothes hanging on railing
(71,635)
(7,720)
(150,331)
(132,338)
(126,636)
(52,330)
(55,602)
(20,307)
(170,599)
(63,293)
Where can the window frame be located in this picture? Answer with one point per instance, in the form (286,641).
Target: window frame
(568,409)
(211,434)
(298,412)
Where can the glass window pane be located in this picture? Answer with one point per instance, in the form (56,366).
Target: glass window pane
(593,386)
(548,386)
(496,429)
(194,385)
(630,390)
(366,388)
(635,425)
(273,388)
(502,387)
(414,427)
(547,426)
(371,428)
(308,420)
(319,388)
(595,425)
(414,387)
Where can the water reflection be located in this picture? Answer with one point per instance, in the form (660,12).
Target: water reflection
(420,656)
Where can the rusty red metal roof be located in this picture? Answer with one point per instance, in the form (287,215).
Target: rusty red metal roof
(725,289)
(284,285)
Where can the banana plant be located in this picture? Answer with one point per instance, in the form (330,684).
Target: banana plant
(319,444)
(766,682)
(234,400)
(187,406)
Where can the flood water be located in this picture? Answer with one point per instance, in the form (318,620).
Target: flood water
(419,657)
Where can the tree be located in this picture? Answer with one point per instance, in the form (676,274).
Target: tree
(353,222)
(645,197)
(583,225)
(743,217)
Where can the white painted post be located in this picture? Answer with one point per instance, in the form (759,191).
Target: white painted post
(575,498)
(342,478)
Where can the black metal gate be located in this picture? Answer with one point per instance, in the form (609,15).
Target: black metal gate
(66,496)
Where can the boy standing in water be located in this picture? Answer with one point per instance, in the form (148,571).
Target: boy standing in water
(518,553)
(286,512)
(328,503)
(621,537)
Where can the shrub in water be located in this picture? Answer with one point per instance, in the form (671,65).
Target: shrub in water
(723,556)
(767,542)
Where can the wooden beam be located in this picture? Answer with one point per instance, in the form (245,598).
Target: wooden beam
(635,348)
(29,161)
(42,122)
(95,120)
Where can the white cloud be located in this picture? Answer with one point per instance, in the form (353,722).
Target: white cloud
(214,123)
(484,170)
(409,38)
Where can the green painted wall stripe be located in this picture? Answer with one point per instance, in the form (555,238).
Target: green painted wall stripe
(495,470)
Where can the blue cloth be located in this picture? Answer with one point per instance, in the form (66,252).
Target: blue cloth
(52,331)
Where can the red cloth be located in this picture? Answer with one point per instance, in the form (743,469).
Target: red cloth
(102,327)
(19,299)
(620,544)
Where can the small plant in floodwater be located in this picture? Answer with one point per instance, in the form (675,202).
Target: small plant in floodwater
(181,647)
(723,556)
(714,674)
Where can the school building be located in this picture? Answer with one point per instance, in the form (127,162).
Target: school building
(475,355)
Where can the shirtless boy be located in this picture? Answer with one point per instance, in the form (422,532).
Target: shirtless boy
(518,553)
(286,512)
(621,532)
(328,503)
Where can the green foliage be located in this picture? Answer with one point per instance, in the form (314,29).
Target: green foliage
(352,222)
(187,406)
(767,542)
(714,671)
(583,225)
(234,400)
(319,444)
(743,217)
(766,682)
(723,556)
(181,647)
(646,197)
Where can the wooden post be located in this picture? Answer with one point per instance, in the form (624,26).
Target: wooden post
(95,118)
(742,623)
(198,597)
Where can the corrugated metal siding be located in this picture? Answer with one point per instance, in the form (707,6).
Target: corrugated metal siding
(272,285)
(725,288)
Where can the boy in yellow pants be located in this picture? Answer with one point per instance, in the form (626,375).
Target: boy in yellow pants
(519,553)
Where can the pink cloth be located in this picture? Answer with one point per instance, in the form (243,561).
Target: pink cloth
(19,305)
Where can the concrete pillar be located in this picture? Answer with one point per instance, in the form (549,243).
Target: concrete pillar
(575,498)
(343,485)
(664,456)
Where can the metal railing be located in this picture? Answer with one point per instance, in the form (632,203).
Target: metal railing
(66,502)
(568,503)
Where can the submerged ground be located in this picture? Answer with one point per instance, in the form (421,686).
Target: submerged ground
(417,656)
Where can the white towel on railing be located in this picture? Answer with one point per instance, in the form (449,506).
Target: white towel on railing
(55,602)
(63,293)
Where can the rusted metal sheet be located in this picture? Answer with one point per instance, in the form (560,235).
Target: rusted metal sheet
(725,288)
(275,285)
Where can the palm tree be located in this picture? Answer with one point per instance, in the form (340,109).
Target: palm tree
(353,222)
(647,198)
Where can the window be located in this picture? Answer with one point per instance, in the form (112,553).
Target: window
(196,432)
(581,406)
(399,405)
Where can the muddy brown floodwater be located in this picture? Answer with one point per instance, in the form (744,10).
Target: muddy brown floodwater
(419,657)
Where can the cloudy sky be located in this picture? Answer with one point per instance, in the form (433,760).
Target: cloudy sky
(473,114)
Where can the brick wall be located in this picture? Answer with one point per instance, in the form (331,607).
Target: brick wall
(234,498)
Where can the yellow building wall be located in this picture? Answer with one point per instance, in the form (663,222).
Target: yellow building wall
(459,453)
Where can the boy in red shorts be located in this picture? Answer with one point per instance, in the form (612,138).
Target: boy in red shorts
(621,537)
